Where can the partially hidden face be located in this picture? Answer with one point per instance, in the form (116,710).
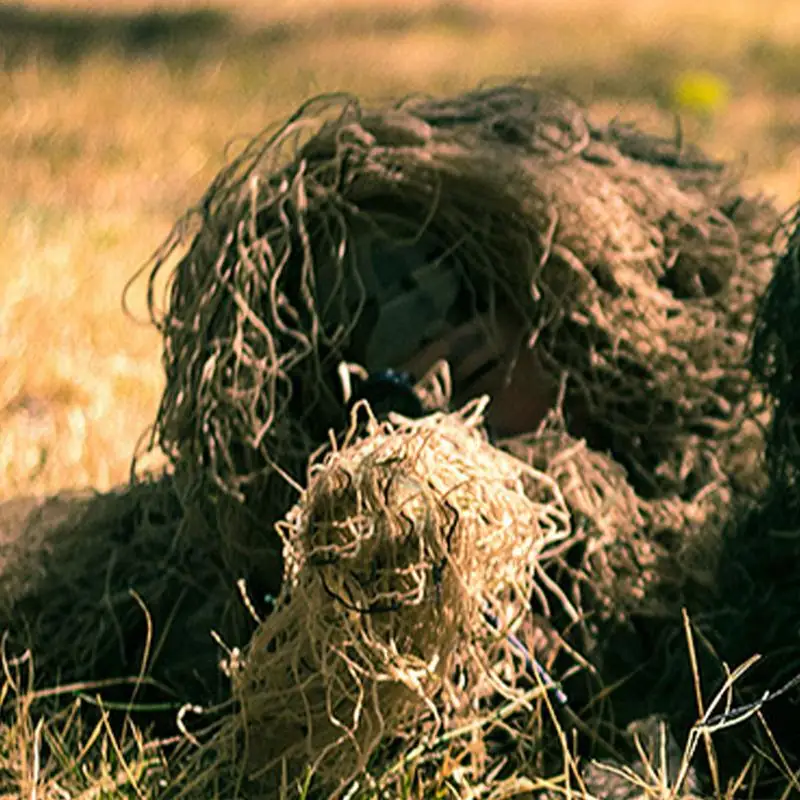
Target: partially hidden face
(420,310)
(493,357)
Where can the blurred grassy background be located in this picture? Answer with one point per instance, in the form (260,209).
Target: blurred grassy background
(115,116)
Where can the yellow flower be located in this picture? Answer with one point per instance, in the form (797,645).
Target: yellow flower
(699,92)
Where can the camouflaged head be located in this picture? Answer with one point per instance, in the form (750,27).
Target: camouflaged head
(479,229)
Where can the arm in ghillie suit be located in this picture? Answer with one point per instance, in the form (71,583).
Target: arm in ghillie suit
(390,391)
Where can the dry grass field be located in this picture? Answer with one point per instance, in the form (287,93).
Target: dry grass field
(116,115)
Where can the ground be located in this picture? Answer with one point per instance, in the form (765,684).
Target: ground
(115,117)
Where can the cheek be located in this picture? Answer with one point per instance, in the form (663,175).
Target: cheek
(526,399)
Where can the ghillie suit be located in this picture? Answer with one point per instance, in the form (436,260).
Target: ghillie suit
(116,587)
(597,282)
(776,364)
(759,566)
(627,263)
